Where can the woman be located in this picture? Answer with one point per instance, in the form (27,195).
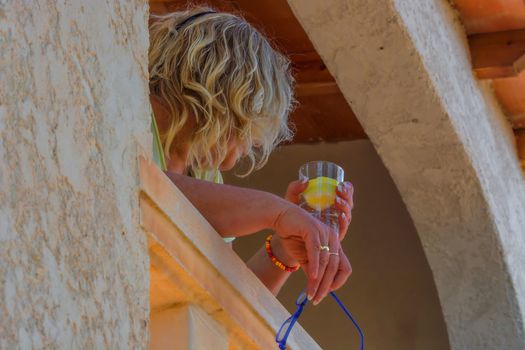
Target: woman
(220,92)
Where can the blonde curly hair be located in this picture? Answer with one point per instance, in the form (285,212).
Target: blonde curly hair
(219,70)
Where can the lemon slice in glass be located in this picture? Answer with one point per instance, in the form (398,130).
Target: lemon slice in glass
(320,193)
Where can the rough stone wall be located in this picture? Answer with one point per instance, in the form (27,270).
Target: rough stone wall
(403,66)
(73,110)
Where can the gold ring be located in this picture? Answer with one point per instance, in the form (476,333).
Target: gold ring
(325,248)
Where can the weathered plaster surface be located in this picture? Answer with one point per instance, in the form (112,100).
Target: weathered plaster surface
(73,110)
(187,326)
(403,66)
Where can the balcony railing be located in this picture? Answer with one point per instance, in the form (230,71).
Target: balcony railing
(202,295)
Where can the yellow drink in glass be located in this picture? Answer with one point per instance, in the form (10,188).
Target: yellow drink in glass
(319,197)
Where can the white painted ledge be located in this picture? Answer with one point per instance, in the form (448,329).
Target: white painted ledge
(191,264)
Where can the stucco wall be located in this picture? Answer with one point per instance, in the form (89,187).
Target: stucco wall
(403,66)
(73,108)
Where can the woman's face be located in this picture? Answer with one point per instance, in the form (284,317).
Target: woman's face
(236,150)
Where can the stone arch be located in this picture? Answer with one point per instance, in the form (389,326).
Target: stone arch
(404,68)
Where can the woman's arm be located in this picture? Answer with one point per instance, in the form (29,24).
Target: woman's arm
(269,274)
(235,211)
(232,211)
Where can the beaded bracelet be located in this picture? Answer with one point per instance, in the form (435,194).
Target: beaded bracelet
(276,261)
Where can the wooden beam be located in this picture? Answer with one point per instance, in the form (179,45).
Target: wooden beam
(316,89)
(518,121)
(498,55)
(519,64)
(489,16)
(158,7)
(309,68)
(520,140)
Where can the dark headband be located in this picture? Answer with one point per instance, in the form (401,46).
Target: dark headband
(191,18)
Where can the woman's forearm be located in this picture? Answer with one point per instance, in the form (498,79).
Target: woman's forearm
(232,211)
(269,274)
(235,211)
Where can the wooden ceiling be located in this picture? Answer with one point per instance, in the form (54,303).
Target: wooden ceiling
(322,113)
(496,33)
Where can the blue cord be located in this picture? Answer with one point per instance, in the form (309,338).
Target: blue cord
(351,318)
(293,318)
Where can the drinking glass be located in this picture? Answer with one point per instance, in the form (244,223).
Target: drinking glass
(319,197)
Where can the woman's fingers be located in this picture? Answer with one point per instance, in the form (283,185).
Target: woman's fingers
(343,272)
(313,286)
(326,279)
(345,190)
(344,203)
(302,237)
(343,225)
(345,216)
(324,236)
(344,206)
(294,190)
(313,245)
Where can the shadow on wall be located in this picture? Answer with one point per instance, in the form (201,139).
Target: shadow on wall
(391,292)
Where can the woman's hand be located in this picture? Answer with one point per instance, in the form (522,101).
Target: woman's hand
(344,201)
(302,236)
